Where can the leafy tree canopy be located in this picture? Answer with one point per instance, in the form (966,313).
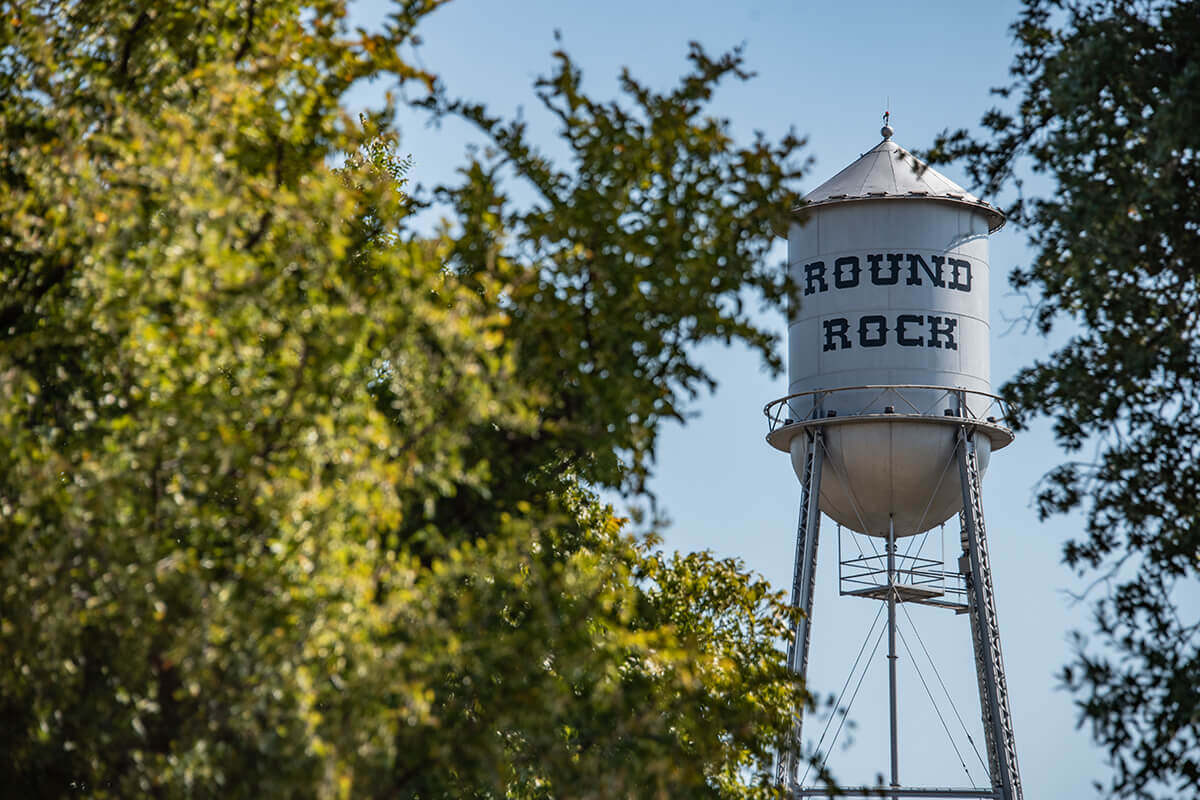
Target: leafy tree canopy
(1106,103)
(294,501)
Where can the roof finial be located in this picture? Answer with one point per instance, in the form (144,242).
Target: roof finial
(886,131)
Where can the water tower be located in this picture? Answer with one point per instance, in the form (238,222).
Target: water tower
(889,420)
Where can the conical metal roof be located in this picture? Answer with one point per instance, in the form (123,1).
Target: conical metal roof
(889,172)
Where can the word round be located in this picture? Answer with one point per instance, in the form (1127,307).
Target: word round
(847,271)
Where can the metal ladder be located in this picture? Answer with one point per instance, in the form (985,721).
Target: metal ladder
(989,664)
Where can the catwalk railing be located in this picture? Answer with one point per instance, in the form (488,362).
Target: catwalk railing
(907,400)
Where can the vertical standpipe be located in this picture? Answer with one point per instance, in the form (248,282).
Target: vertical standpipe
(891,601)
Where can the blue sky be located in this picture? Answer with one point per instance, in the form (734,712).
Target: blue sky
(828,70)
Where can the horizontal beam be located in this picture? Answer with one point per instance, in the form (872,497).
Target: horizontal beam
(887,791)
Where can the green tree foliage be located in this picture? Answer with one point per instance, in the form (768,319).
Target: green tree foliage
(650,240)
(292,498)
(1107,105)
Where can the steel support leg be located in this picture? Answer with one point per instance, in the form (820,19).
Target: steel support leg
(989,665)
(802,595)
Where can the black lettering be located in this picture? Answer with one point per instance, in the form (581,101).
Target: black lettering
(894,261)
(938,261)
(876,262)
(902,337)
(837,327)
(855,269)
(956,268)
(942,328)
(814,275)
(880,337)
(914,277)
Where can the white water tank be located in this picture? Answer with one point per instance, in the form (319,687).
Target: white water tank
(890,259)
